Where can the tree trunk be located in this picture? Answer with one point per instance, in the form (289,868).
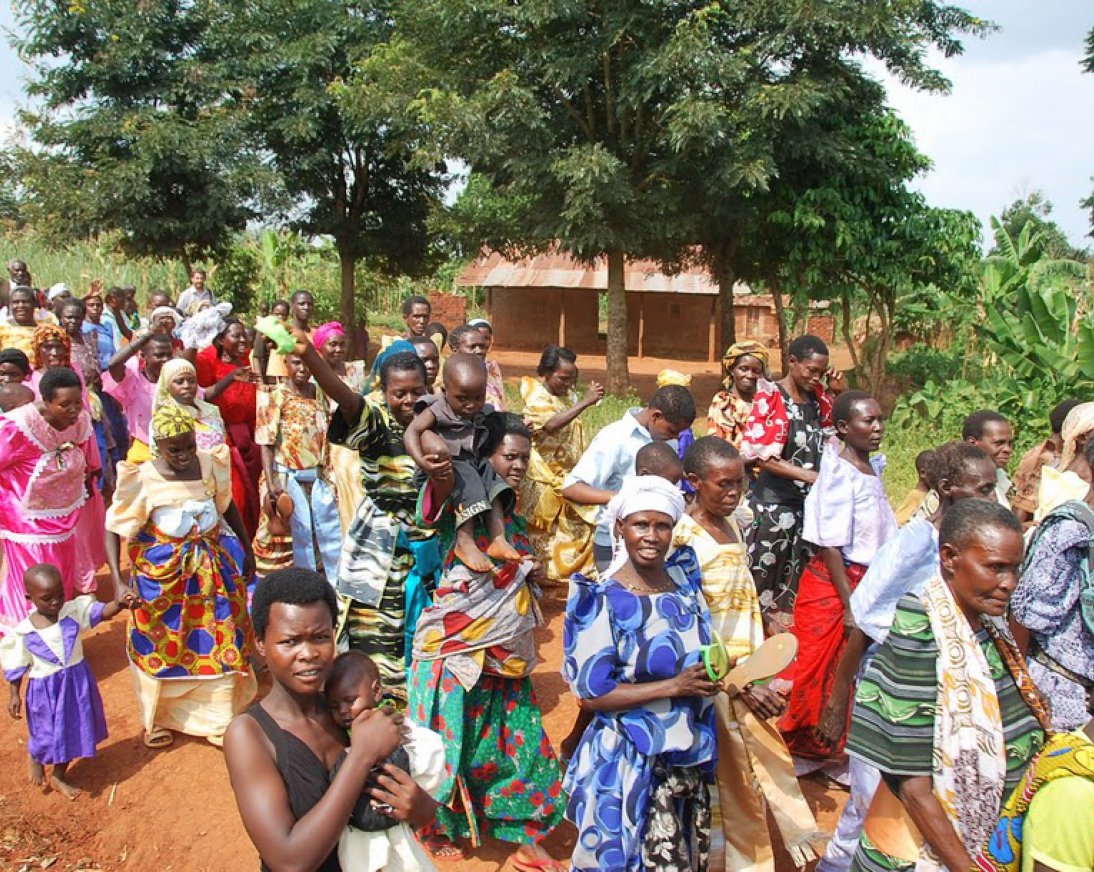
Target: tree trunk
(347,306)
(780,317)
(845,329)
(618,374)
(186,265)
(726,278)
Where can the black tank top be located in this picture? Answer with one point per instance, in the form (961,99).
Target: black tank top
(306,778)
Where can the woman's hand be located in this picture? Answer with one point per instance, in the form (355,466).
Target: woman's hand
(763,701)
(377,730)
(15,704)
(837,381)
(694,681)
(833,718)
(848,620)
(303,343)
(408,802)
(594,393)
(245,374)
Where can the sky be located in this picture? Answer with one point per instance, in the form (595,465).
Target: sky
(1019,116)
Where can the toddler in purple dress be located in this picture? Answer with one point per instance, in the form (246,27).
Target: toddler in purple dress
(63,707)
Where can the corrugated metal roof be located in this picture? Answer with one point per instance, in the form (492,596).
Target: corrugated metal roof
(557,270)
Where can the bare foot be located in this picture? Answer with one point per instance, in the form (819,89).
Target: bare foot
(473,558)
(64,788)
(500,549)
(37,773)
(529,857)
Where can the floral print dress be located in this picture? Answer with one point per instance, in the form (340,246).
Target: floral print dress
(613,636)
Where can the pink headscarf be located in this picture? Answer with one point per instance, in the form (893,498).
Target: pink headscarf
(324,332)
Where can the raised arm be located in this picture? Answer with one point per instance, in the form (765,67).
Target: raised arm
(348,400)
(116,365)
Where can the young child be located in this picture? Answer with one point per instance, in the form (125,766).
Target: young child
(64,710)
(447,433)
(924,466)
(373,840)
(754,765)
(660,459)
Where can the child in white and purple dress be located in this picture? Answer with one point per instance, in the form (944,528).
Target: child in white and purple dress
(63,708)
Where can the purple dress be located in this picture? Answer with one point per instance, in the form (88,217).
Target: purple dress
(63,708)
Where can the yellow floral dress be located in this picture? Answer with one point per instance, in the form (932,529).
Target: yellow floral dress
(727,417)
(561,532)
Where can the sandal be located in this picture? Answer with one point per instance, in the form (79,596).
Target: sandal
(444,850)
(158,737)
(538,864)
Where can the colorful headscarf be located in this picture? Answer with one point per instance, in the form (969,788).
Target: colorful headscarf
(398,346)
(324,332)
(738,350)
(200,411)
(673,377)
(46,333)
(170,420)
(1079,422)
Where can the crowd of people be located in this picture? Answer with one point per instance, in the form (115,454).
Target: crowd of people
(373,537)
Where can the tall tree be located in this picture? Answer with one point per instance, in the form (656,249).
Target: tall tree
(622,127)
(348,174)
(1035,210)
(131,135)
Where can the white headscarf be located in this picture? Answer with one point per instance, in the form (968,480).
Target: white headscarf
(640,493)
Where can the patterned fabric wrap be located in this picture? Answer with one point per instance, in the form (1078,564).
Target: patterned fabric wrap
(44,334)
(737,350)
(1080,513)
(1065,755)
(727,416)
(768,426)
(482,622)
(678,827)
(193,620)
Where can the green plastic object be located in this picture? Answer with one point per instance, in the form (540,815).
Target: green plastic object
(273,329)
(716,658)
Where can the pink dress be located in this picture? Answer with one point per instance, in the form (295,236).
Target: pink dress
(42,496)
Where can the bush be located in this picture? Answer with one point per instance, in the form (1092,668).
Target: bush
(920,364)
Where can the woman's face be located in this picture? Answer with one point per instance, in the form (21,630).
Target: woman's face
(487,337)
(72,320)
(297,370)
(281,310)
(418,318)
(94,307)
(179,451)
(22,308)
(184,387)
(746,373)
(334,350)
(808,372)
(983,571)
(52,354)
(402,391)
(865,427)
(431,358)
(63,409)
(10,374)
(562,380)
(234,343)
(975,482)
(719,488)
(510,459)
(647,537)
(298,646)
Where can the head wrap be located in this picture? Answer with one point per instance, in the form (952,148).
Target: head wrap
(58,290)
(398,346)
(200,411)
(673,377)
(170,420)
(324,332)
(170,311)
(640,493)
(1079,422)
(738,350)
(45,333)
(481,322)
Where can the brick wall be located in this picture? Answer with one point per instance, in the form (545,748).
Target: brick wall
(823,326)
(449,309)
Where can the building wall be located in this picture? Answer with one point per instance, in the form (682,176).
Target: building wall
(449,309)
(527,319)
(675,325)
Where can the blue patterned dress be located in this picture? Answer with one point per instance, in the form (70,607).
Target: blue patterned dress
(611,637)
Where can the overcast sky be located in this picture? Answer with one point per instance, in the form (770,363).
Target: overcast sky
(1020,115)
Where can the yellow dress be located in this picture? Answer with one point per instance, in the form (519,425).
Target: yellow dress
(561,532)
(754,770)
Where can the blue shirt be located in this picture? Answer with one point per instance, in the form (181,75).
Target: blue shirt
(104,341)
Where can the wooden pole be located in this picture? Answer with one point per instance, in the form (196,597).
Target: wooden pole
(641,327)
(562,317)
(712,333)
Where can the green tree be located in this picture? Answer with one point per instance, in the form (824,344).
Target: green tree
(603,119)
(131,135)
(1034,210)
(348,176)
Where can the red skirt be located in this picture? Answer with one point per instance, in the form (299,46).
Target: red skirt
(818,626)
(246,472)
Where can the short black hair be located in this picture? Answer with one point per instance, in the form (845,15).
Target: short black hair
(57,378)
(458,333)
(552,356)
(74,303)
(17,357)
(437,327)
(926,463)
(968,517)
(658,458)
(300,292)
(674,402)
(277,303)
(953,459)
(1058,415)
(293,586)
(159,339)
(498,426)
(805,347)
(973,428)
(703,452)
(353,665)
(417,300)
(422,340)
(23,289)
(404,361)
(845,404)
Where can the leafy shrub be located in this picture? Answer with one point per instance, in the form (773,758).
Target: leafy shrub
(920,364)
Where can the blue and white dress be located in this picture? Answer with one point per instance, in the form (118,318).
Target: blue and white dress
(611,637)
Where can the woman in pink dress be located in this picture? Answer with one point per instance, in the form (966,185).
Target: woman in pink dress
(48,457)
